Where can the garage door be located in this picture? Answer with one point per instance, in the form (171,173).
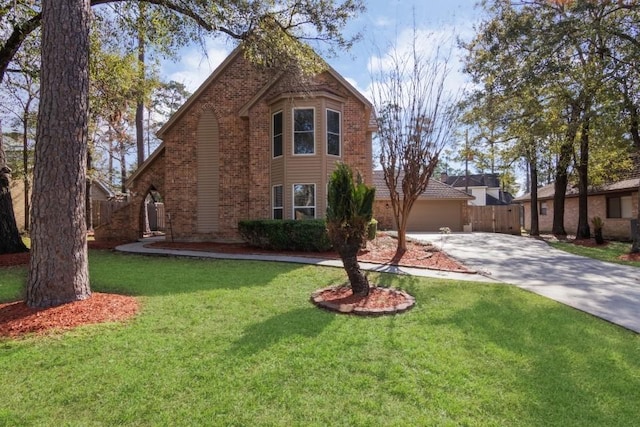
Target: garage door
(430,215)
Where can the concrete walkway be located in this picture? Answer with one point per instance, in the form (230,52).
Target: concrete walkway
(606,290)
(609,291)
(139,248)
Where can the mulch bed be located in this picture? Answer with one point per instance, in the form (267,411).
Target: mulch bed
(17,319)
(381,250)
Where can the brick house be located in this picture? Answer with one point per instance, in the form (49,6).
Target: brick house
(440,205)
(250,143)
(616,203)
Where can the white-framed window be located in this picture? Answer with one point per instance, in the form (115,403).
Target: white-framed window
(277,202)
(619,207)
(304,201)
(276,132)
(304,131)
(333,132)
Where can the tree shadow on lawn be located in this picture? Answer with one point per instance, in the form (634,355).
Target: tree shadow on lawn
(308,322)
(155,276)
(559,356)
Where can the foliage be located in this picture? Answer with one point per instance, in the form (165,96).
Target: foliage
(554,86)
(372,229)
(598,225)
(237,343)
(288,235)
(269,31)
(349,214)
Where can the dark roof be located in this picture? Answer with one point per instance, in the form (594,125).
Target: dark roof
(490,180)
(436,190)
(548,191)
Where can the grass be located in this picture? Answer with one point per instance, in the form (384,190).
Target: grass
(609,252)
(238,343)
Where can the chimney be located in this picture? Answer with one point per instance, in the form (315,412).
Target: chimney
(444,177)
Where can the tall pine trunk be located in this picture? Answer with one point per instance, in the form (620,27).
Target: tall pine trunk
(58,272)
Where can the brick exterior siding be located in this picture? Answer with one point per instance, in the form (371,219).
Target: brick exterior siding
(244,150)
(614,228)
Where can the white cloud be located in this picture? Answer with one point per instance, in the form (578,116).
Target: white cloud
(194,66)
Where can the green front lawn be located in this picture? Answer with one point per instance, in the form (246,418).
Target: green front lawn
(239,343)
(609,252)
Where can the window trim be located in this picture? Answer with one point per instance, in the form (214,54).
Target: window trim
(618,198)
(273,201)
(293,131)
(339,131)
(543,208)
(293,198)
(273,135)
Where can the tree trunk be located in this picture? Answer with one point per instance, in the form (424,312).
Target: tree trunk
(535,223)
(140,102)
(123,167)
(25,164)
(58,272)
(560,189)
(584,231)
(359,282)
(10,240)
(635,133)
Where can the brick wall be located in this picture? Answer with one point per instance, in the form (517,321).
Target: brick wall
(127,223)
(614,228)
(245,148)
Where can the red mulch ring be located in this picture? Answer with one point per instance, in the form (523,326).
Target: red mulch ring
(17,319)
(630,257)
(9,260)
(379,301)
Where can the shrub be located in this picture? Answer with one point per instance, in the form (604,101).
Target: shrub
(372,229)
(288,235)
(598,224)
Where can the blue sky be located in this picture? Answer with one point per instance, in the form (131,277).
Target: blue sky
(384,22)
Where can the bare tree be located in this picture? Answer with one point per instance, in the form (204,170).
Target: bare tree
(416,120)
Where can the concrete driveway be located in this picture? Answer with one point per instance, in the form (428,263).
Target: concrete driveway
(606,290)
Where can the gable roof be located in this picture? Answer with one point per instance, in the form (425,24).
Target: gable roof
(548,191)
(245,109)
(489,180)
(148,161)
(436,190)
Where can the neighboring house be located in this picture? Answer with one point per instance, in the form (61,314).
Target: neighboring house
(439,206)
(250,143)
(484,187)
(615,203)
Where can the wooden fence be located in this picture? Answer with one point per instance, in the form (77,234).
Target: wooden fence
(103,209)
(496,219)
